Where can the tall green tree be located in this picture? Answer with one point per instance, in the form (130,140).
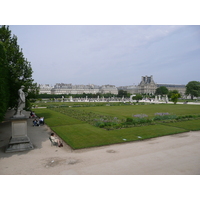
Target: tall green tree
(174,95)
(4,94)
(18,69)
(122,93)
(193,89)
(162,90)
(137,97)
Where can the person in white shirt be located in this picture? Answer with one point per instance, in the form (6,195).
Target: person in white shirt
(56,140)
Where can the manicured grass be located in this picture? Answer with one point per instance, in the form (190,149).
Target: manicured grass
(191,125)
(79,134)
(150,110)
(85,135)
(53,118)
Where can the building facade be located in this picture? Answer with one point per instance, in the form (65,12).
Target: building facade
(180,88)
(45,89)
(62,88)
(146,86)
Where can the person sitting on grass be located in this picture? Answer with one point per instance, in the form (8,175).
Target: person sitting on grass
(56,140)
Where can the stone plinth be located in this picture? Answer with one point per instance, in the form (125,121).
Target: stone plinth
(19,140)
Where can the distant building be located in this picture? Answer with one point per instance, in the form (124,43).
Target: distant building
(108,89)
(180,88)
(45,89)
(132,89)
(146,86)
(63,88)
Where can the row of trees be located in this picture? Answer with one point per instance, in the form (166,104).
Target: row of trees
(122,93)
(15,71)
(192,89)
(84,95)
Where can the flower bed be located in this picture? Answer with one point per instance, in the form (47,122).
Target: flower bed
(109,122)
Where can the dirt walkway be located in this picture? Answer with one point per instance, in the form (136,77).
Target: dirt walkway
(168,155)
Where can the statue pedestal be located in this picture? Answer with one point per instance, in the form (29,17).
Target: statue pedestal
(19,140)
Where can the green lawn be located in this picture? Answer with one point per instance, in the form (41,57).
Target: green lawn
(79,134)
(53,118)
(150,110)
(191,125)
(82,136)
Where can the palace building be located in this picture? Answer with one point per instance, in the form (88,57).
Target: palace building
(146,86)
(62,88)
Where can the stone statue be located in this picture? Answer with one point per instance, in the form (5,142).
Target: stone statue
(21,102)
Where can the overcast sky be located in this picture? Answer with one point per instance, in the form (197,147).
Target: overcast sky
(110,54)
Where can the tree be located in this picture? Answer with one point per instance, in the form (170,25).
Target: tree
(137,97)
(193,89)
(174,95)
(122,93)
(4,94)
(18,70)
(172,92)
(161,90)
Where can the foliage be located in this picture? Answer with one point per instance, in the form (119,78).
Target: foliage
(139,119)
(193,89)
(161,90)
(4,94)
(140,115)
(172,92)
(161,114)
(89,95)
(164,117)
(18,70)
(174,95)
(123,93)
(137,97)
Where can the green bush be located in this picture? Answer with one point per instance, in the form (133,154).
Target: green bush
(164,117)
(129,119)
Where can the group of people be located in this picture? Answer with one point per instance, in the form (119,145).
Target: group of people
(38,122)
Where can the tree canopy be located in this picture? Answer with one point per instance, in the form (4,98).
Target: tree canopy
(161,90)
(15,71)
(193,89)
(174,95)
(122,93)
